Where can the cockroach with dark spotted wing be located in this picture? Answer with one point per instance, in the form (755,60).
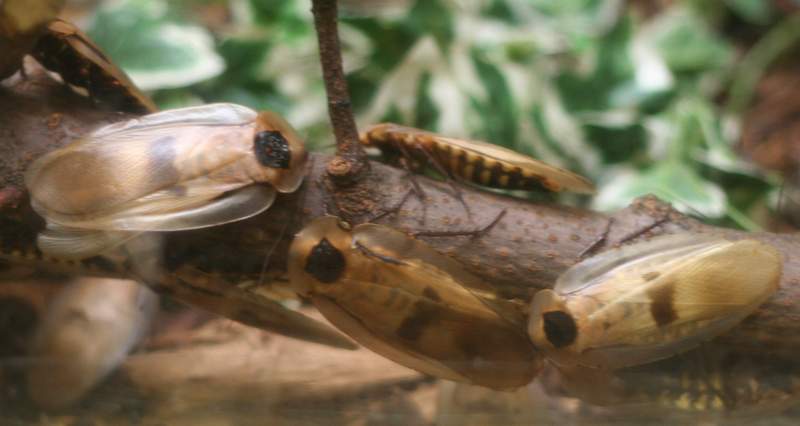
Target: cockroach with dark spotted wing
(175,170)
(65,50)
(477,162)
(651,300)
(406,301)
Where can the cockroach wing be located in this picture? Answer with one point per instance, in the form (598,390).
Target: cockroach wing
(204,208)
(219,114)
(382,343)
(105,233)
(157,159)
(598,269)
(74,243)
(652,300)
(403,300)
(552,177)
(381,239)
(691,302)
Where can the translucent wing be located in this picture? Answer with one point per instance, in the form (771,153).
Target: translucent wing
(688,303)
(652,300)
(431,334)
(444,271)
(88,238)
(656,252)
(74,243)
(405,301)
(220,114)
(127,161)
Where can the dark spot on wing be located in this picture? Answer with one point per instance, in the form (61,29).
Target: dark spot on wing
(272,149)
(662,307)
(560,328)
(414,325)
(161,162)
(431,294)
(650,276)
(325,262)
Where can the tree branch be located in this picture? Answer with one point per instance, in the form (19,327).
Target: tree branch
(351,163)
(526,251)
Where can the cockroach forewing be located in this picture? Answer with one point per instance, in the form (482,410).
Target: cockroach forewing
(602,267)
(654,302)
(352,326)
(428,334)
(407,309)
(171,213)
(126,163)
(220,114)
(692,302)
(382,239)
(100,234)
(552,177)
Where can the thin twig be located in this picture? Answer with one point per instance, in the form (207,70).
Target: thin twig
(352,160)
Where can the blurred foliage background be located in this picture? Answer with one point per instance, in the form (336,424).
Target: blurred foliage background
(642,96)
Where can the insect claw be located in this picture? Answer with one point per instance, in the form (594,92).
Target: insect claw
(658,222)
(597,241)
(458,195)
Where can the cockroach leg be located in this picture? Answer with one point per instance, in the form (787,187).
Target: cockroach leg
(601,239)
(383,258)
(394,208)
(448,177)
(658,222)
(473,232)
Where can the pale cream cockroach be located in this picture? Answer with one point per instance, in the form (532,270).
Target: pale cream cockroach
(89,329)
(169,171)
(651,300)
(406,301)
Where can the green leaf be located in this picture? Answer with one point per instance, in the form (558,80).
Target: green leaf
(688,45)
(675,182)
(156,50)
(755,11)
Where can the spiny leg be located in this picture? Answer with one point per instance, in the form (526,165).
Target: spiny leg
(448,178)
(394,208)
(406,157)
(472,232)
(658,222)
(597,241)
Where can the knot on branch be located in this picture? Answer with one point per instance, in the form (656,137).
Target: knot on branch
(345,171)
